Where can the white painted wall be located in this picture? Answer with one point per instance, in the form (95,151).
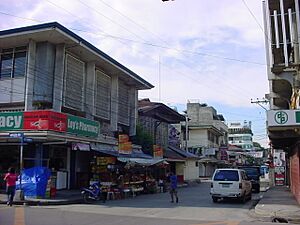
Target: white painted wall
(191,171)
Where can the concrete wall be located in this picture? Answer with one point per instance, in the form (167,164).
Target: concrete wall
(198,137)
(207,169)
(295,176)
(191,171)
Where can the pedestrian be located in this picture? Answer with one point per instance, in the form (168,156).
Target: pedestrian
(10,178)
(161,185)
(173,187)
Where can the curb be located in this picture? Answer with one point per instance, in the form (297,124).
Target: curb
(45,202)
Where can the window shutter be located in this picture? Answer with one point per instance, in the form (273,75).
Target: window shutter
(74,83)
(123,103)
(103,95)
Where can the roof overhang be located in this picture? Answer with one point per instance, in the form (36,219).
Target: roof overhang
(55,33)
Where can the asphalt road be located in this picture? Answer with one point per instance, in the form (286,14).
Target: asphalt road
(195,207)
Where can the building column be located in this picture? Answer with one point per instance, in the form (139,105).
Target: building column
(90,90)
(133,105)
(58,85)
(30,74)
(114,102)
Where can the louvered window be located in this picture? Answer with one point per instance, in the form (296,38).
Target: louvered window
(103,93)
(74,83)
(123,103)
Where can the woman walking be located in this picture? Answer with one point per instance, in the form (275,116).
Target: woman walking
(10,179)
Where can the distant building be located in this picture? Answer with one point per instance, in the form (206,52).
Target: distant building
(206,128)
(240,135)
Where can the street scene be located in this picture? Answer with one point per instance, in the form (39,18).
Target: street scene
(149,112)
(192,208)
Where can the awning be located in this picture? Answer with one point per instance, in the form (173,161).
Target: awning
(142,162)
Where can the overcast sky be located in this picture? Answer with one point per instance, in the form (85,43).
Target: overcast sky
(207,51)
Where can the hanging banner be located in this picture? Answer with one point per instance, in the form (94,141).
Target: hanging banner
(279,175)
(157,151)
(125,146)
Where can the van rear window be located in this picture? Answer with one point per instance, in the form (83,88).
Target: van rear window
(226,175)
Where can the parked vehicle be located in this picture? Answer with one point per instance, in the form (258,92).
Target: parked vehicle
(92,193)
(253,172)
(230,184)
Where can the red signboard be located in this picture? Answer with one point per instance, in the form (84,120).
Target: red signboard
(45,120)
(157,151)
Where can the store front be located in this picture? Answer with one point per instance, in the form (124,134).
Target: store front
(58,141)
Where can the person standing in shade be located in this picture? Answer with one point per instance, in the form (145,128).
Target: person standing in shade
(173,187)
(10,178)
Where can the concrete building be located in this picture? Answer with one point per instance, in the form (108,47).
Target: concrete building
(156,119)
(240,135)
(206,133)
(282,29)
(64,94)
(206,128)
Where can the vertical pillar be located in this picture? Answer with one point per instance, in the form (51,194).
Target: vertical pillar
(58,85)
(30,73)
(114,102)
(38,155)
(90,90)
(133,111)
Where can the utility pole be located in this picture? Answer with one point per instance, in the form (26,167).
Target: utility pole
(260,102)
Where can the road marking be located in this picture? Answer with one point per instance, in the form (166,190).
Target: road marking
(220,223)
(19,216)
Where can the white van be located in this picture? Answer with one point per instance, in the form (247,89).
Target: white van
(230,183)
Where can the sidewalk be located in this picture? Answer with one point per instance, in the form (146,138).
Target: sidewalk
(279,202)
(63,197)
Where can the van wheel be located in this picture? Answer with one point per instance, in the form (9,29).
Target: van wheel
(215,199)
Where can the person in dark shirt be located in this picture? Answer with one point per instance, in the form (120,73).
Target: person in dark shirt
(173,187)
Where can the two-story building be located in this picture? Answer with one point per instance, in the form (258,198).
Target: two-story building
(282,29)
(206,132)
(60,98)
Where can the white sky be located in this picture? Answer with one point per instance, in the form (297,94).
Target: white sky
(208,50)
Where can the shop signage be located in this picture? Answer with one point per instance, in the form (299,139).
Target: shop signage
(157,151)
(81,126)
(48,120)
(103,161)
(223,153)
(279,175)
(11,121)
(80,147)
(125,146)
(45,120)
(283,118)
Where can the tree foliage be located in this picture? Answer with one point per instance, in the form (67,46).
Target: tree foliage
(144,139)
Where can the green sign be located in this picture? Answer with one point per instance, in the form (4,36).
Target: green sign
(297,117)
(11,121)
(81,126)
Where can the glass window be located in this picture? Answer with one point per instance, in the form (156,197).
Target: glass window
(13,62)
(6,65)
(19,64)
(226,175)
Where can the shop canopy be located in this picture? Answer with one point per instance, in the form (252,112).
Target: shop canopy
(142,162)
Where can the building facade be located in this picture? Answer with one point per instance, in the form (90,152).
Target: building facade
(240,135)
(206,129)
(282,29)
(64,95)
